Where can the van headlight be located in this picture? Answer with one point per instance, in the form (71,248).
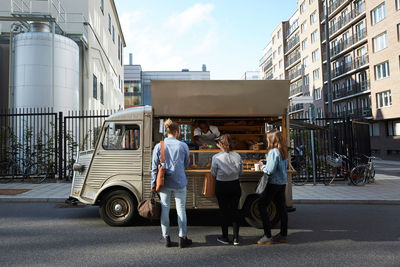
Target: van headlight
(78,167)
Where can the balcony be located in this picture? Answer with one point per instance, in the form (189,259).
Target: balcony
(352,89)
(349,66)
(269,77)
(294,57)
(333,6)
(344,44)
(265,57)
(267,66)
(295,91)
(294,74)
(292,43)
(292,28)
(354,113)
(343,21)
(295,108)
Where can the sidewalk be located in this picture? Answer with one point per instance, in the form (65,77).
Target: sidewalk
(386,190)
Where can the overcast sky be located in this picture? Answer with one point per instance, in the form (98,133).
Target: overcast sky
(226,35)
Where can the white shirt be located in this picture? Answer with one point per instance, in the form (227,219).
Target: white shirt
(213,130)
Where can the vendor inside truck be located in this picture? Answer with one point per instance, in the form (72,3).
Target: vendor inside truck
(205,134)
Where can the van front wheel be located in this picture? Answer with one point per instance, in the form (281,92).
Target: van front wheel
(118,208)
(252,213)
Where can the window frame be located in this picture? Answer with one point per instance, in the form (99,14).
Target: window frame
(118,149)
(102,6)
(375,42)
(375,18)
(383,67)
(94,91)
(101,93)
(380,99)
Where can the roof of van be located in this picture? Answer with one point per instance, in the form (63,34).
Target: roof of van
(220,98)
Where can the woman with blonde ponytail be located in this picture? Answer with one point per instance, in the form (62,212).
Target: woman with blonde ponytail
(275,168)
(176,161)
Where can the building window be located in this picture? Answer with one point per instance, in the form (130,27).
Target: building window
(374,129)
(393,128)
(273,39)
(279,50)
(382,70)
(303,27)
(113,34)
(102,6)
(350,107)
(384,99)
(119,47)
(380,42)
(398,4)
(94,86)
(316,74)
(378,13)
(313,17)
(311,1)
(315,55)
(302,7)
(109,23)
(398,31)
(317,94)
(121,52)
(314,36)
(305,62)
(101,94)
(306,80)
(280,64)
(304,44)
(279,33)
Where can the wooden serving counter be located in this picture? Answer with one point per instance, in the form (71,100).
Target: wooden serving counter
(244,171)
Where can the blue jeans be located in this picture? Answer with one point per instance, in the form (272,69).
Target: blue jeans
(180,203)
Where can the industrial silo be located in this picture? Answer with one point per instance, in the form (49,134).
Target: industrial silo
(33,70)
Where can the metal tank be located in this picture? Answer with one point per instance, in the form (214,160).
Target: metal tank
(33,70)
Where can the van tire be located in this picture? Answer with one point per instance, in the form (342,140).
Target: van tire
(252,214)
(118,208)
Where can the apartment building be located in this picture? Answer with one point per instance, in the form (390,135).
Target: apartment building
(364,40)
(383,21)
(95,28)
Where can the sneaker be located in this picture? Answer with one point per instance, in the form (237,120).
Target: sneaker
(236,242)
(184,242)
(223,240)
(264,240)
(166,241)
(279,238)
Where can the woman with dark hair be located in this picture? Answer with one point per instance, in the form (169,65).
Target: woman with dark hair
(275,168)
(226,167)
(176,161)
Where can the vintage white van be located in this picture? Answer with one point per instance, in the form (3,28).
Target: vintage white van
(116,174)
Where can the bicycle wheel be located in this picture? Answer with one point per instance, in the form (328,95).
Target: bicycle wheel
(359,174)
(331,175)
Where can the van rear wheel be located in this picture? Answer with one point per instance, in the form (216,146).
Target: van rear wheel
(118,208)
(252,213)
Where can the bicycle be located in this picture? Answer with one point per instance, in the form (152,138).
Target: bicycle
(337,166)
(367,171)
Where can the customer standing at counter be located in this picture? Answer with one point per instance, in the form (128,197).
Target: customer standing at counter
(226,167)
(276,169)
(176,161)
(205,134)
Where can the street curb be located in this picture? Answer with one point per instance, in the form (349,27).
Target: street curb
(33,200)
(348,201)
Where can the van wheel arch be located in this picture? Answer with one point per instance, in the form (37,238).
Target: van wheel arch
(251,213)
(118,206)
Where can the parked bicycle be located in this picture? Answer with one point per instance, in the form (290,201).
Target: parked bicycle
(338,167)
(367,170)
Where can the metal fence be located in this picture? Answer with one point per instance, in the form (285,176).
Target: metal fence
(309,145)
(38,142)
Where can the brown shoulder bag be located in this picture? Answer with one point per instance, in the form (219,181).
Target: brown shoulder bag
(161,170)
(150,208)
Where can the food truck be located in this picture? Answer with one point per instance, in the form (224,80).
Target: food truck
(116,175)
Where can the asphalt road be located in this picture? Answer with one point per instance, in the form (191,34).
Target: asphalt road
(391,168)
(319,235)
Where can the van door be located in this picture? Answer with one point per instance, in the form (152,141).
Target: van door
(118,156)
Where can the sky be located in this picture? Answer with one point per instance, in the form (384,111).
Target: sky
(227,35)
